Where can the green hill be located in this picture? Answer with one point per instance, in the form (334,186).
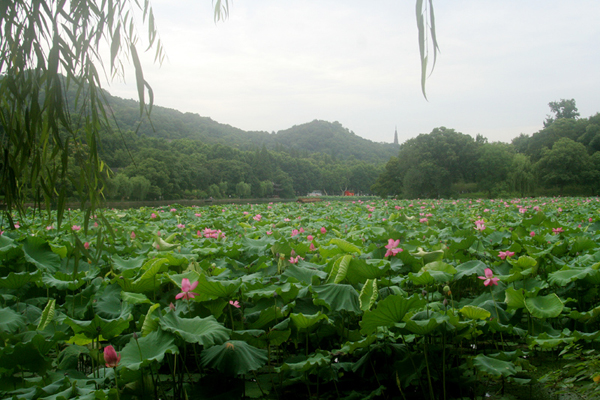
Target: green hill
(314,137)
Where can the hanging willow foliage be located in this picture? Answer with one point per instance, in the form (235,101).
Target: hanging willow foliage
(52,107)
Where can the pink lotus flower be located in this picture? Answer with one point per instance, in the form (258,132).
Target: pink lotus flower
(186,289)
(245,212)
(556,231)
(111,357)
(323,230)
(198,215)
(86,245)
(173,209)
(504,254)
(392,247)
(213,233)
(75,228)
(423,220)
(532,233)
(269,233)
(17,226)
(479,225)
(590,219)
(236,303)
(295,232)
(310,238)
(312,246)
(180,226)
(95,224)
(489,278)
(132,235)
(257,217)
(153,215)
(294,260)
(49,227)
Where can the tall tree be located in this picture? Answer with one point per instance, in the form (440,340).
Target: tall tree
(562,109)
(567,163)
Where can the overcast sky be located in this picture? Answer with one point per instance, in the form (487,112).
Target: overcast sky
(274,64)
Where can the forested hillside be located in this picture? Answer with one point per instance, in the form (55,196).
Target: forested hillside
(314,137)
(177,155)
(561,159)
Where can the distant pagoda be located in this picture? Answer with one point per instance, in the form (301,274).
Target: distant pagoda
(396,136)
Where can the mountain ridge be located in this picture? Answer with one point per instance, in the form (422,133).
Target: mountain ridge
(316,136)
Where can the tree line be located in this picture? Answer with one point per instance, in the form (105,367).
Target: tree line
(561,159)
(151,168)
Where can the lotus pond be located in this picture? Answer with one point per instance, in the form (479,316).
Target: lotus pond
(431,299)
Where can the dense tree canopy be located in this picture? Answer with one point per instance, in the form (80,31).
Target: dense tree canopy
(562,158)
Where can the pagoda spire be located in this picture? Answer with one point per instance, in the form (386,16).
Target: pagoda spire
(396,136)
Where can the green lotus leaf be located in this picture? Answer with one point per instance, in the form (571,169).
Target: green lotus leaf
(315,360)
(162,245)
(593,277)
(47,315)
(429,256)
(469,268)
(514,298)
(38,252)
(351,347)
(304,274)
(205,331)
(368,295)
(549,306)
(234,357)
(340,269)
(15,280)
(132,264)
(496,237)
(523,263)
(7,244)
(474,312)
(62,281)
(304,322)
(337,297)
(147,350)
(345,246)
(135,298)
(423,278)
(546,341)
(150,322)
(536,219)
(494,367)
(390,311)
(215,289)
(439,266)
(421,327)
(108,303)
(266,316)
(24,356)
(582,244)
(11,321)
(461,243)
(100,326)
(256,246)
(566,276)
(261,339)
(360,270)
